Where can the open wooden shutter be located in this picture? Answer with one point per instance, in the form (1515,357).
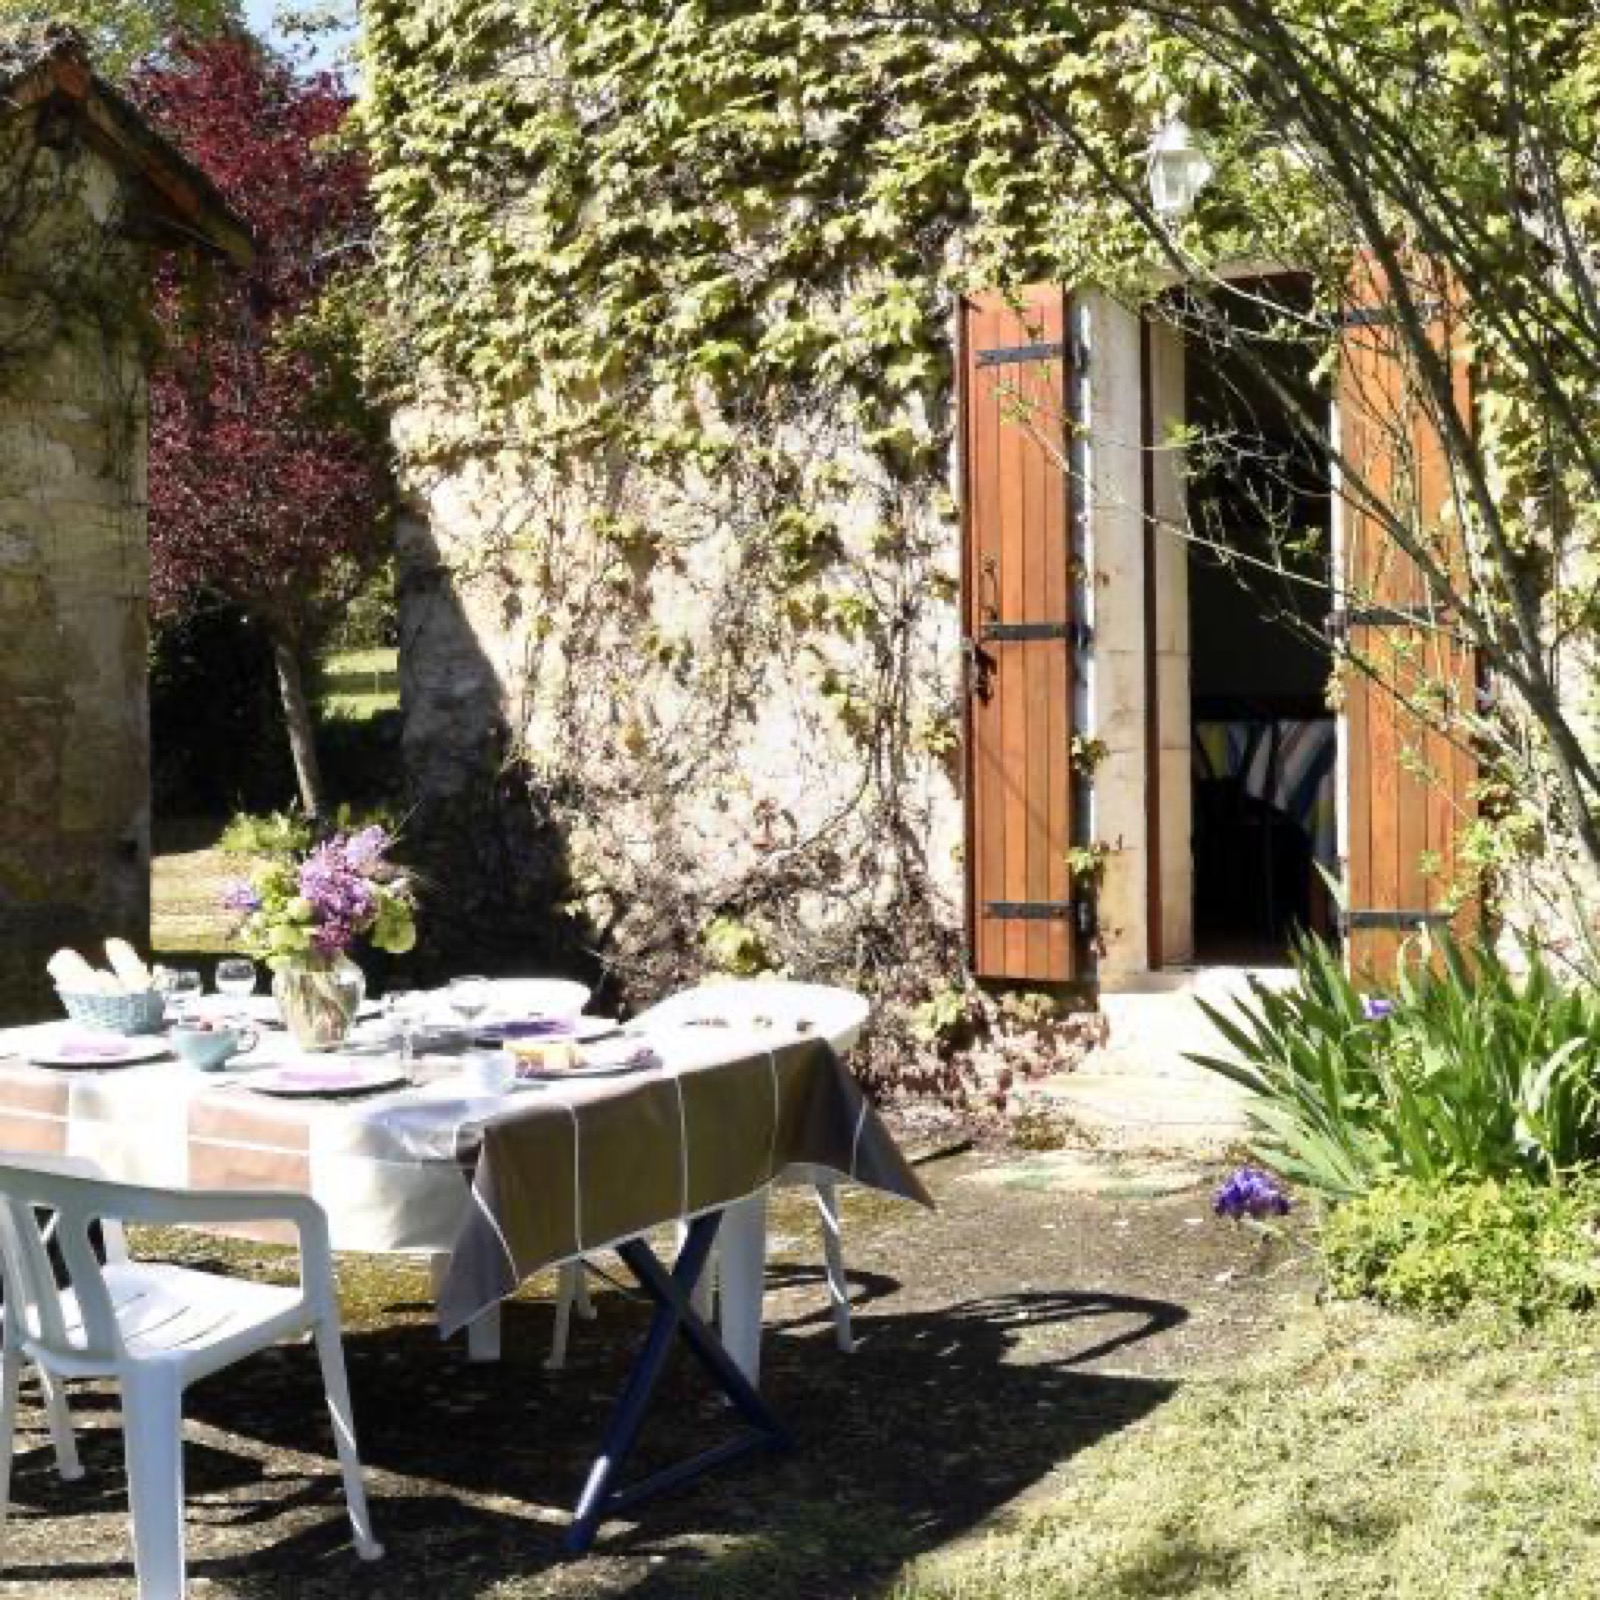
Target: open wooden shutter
(1018,624)
(1409,782)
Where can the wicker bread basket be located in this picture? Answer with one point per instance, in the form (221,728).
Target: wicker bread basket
(116,1013)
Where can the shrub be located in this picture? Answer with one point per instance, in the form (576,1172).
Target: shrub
(277,833)
(1470,1071)
(287,833)
(1528,1247)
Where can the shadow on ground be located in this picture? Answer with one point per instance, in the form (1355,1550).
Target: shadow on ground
(941,1417)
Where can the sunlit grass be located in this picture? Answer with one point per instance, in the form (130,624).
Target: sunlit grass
(360,683)
(1370,1456)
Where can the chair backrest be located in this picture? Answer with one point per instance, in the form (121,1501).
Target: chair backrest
(535,997)
(761,1004)
(59,1198)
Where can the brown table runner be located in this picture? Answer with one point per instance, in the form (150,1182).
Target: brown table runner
(584,1166)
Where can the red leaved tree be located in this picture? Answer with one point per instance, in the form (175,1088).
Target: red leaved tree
(268,480)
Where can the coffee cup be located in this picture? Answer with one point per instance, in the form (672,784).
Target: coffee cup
(209,1046)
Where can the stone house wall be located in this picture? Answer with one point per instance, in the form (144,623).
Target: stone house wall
(695,785)
(490,554)
(74,559)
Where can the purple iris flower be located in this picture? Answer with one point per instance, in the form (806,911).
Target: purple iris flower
(1375,1008)
(1250,1192)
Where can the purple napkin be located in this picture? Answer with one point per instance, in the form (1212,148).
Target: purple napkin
(527,1028)
(89,1048)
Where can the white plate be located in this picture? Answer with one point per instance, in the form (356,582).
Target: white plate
(316,1078)
(60,1052)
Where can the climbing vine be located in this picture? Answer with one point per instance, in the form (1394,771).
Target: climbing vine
(693,268)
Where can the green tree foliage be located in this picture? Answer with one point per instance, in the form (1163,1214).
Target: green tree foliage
(122,33)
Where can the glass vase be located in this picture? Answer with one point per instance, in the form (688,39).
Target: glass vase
(318,1000)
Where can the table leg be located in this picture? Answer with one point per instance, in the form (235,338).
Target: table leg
(483,1332)
(743,1267)
(675,1317)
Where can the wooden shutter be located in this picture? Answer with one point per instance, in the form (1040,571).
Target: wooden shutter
(1409,781)
(1018,627)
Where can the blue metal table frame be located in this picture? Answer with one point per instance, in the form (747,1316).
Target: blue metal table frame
(675,1317)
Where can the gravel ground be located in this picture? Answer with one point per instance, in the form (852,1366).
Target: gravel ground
(1054,1299)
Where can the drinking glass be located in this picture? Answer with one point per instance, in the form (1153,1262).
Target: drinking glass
(236,977)
(182,986)
(469,998)
(402,1011)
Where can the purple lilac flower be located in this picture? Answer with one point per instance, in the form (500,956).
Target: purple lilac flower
(239,896)
(365,850)
(341,898)
(1375,1008)
(1250,1192)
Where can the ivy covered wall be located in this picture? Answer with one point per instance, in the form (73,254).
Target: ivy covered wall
(682,275)
(675,404)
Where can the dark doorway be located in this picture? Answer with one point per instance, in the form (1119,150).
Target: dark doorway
(1264,737)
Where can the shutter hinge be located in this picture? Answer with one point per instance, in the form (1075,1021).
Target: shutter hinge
(1080,633)
(1007,355)
(1030,910)
(1340,622)
(1383,316)
(1026,632)
(1355,921)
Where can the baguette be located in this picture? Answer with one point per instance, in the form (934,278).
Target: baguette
(72,974)
(133,974)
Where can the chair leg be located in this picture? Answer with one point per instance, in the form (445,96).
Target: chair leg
(570,1288)
(330,1355)
(581,1303)
(10,1372)
(152,1437)
(833,1250)
(54,1390)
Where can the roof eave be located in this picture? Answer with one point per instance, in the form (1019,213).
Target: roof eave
(189,200)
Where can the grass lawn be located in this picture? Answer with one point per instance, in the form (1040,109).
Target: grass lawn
(360,683)
(1362,1455)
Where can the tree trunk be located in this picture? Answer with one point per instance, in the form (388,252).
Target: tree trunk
(297,717)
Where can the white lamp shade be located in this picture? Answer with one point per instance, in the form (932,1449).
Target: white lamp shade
(1179,169)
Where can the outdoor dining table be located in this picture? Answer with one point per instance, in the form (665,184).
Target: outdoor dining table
(495,1187)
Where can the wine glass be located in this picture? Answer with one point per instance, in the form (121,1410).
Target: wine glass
(469,998)
(236,977)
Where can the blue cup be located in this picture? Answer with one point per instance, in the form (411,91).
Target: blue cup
(210,1048)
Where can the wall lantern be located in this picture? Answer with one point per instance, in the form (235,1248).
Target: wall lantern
(1179,170)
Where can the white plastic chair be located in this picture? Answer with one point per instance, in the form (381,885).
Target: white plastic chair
(536,997)
(783,1010)
(156,1329)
